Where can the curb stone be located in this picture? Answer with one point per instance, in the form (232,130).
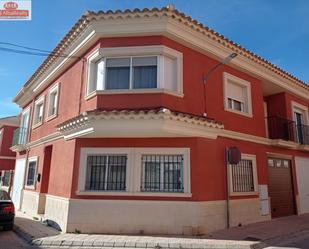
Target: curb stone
(24,235)
(131,244)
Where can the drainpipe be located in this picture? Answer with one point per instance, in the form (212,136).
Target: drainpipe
(81,85)
(227,189)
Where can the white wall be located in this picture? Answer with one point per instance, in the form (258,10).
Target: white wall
(149,217)
(33,203)
(56,210)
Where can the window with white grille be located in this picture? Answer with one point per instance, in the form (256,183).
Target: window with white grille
(6,176)
(243,176)
(162,173)
(106,172)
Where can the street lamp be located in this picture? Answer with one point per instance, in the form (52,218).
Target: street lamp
(206,76)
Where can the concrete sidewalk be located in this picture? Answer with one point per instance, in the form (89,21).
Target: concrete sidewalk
(258,235)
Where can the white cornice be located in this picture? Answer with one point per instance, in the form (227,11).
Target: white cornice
(156,25)
(149,123)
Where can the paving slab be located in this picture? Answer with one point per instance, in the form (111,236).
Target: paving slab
(257,236)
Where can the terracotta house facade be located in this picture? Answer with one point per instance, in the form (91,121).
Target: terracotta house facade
(7,157)
(120,133)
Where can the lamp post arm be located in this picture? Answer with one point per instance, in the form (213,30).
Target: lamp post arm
(210,71)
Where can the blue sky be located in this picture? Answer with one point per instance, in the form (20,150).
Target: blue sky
(278,30)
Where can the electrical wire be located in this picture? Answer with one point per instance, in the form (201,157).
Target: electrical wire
(39,52)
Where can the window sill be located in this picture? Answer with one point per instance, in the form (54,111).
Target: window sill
(126,193)
(49,118)
(255,193)
(134,91)
(29,187)
(249,115)
(37,125)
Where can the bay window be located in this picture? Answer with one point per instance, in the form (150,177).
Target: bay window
(134,69)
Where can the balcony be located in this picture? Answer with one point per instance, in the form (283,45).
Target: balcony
(19,138)
(287,130)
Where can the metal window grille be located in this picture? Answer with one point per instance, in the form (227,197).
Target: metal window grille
(6,180)
(162,173)
(31,173)
(106,172)
(242,176)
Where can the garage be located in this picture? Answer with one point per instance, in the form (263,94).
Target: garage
(302,173)
(281,187)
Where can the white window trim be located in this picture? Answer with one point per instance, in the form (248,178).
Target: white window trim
(296,107)
(229,77)
(255,178)
(53,89)
(32,159)
(134,170)
(27,110)
(139,51)
(36,103)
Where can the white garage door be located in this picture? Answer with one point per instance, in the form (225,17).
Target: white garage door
(302,174)
(18,183)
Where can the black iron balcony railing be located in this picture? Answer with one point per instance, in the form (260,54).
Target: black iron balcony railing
(20,136)
(281,128)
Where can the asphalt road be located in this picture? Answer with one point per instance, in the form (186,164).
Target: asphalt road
(9,240)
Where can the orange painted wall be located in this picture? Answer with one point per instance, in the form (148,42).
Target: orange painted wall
(5,145)
(6,141)
(61,168)
(195,64)
(207,163)
(207,156)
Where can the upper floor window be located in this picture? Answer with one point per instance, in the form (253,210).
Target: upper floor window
(237,95)
(53,102)
(301,119)
(135,68)
(22,133)
(38,112)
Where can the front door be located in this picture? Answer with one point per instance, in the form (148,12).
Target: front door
(18,182)
(280,187)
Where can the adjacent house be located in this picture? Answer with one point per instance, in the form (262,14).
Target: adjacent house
(122,133)
(7,158)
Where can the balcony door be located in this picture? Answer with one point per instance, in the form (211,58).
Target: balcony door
(299,122)
(300,118)
(24,127)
